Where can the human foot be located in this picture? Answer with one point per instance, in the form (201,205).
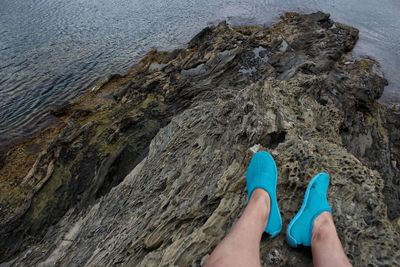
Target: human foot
(263,174)
(300,229)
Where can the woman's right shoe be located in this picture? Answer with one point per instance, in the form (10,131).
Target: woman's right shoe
(299,231)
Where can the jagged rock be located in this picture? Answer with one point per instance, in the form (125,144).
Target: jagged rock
(157,179)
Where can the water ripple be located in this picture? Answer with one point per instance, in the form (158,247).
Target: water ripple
(51,50)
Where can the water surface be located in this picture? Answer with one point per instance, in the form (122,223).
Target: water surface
(51,50)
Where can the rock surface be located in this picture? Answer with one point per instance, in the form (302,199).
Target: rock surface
(147,169)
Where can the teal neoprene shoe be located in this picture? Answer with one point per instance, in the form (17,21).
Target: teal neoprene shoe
(262,173)
(299,231)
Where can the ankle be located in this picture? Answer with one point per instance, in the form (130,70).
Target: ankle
(261,198)
(323,228)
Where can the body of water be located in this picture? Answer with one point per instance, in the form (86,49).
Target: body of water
(51,50)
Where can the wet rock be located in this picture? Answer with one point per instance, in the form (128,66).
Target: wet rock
(80,113)
(59,109)
(157,177)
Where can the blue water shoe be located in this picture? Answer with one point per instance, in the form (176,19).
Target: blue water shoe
(262,173)
(299,231)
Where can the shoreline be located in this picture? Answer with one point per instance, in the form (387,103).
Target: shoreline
(26,149)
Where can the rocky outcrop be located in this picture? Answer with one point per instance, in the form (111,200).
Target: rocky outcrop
(147,169)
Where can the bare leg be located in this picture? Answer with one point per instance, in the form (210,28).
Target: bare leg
(325,244)
(241,247)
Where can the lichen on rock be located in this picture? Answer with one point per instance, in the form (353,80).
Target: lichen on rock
(148,169)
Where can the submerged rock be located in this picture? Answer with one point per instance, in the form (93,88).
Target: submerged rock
(152,172)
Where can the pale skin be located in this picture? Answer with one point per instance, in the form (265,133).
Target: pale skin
(241,247)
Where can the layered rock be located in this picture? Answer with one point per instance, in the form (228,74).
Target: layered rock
(147,169)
